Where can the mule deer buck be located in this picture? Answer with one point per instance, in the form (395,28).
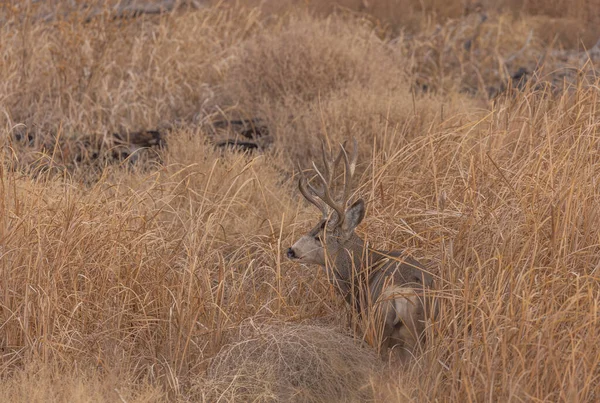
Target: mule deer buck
(386,284)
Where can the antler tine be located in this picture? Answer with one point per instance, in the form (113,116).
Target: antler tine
(329,163)
(302,183)
(326,162)
(350,166)
(325,195)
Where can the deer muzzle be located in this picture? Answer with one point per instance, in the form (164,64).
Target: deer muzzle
(291,254)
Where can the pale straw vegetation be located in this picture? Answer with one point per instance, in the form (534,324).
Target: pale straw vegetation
(164,277)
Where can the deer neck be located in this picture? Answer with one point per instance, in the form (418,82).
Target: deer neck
(351,264)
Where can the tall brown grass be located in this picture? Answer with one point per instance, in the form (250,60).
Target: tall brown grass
(572,23)
(138,282)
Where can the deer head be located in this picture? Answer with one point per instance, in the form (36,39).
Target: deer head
(329,242)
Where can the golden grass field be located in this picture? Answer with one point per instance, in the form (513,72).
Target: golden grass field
(166,279)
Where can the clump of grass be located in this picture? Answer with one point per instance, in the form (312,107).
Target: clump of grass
(293,362)
(308,58)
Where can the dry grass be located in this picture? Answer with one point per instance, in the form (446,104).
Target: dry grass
(152,281)
(291,363)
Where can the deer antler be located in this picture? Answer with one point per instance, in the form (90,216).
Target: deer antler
(325,195)
(302,183)
(326,199)
(350,166)
(329,162)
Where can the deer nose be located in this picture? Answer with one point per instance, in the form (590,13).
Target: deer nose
(291,254)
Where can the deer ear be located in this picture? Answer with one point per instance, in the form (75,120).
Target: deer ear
(354,215)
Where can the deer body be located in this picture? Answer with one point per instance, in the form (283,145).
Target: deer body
(385,284)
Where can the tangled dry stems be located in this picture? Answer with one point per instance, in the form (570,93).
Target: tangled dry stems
(293,362)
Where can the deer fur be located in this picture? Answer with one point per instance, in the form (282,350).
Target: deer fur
(386,284)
